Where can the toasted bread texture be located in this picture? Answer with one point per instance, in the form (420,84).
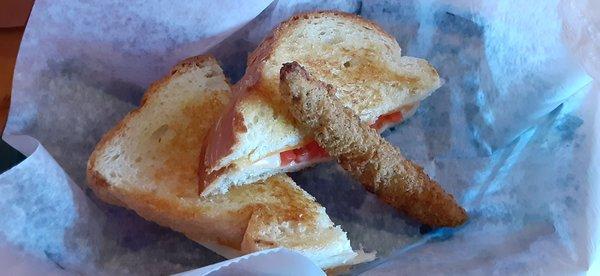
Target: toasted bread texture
(149,163)
(351,53)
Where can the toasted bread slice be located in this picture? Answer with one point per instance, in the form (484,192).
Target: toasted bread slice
(344,50)
(149,163)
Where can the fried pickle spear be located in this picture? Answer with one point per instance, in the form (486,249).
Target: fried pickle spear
(359,149)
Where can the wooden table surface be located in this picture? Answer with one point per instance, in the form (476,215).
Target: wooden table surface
(13,18)
(11,38)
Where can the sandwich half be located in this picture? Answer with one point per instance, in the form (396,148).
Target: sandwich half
(149,163)
(256,137)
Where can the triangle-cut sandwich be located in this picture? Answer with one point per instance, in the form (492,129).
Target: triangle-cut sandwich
(149,163)
(256,137)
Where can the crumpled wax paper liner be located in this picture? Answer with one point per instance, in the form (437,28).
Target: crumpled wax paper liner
(512,133)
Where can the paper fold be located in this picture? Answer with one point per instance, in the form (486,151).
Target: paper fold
(513,133)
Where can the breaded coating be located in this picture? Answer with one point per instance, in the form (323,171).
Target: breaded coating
(359,149)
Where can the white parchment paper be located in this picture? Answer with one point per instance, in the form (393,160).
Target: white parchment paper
(267,262)
(513,133)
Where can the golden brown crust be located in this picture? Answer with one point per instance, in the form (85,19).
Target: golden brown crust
(377,164)
(270,43)
(243,225)
(101,188)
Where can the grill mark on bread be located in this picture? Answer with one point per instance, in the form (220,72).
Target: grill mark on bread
(360,63)
(362,69)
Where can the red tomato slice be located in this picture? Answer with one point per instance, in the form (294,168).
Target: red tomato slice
(315,151)
(287,157)
(312,150)
(386,119)
(308,152)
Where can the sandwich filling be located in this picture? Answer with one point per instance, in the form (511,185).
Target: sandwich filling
(311,152)
(304,154)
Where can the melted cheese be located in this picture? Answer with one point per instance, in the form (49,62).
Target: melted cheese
(311,152)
